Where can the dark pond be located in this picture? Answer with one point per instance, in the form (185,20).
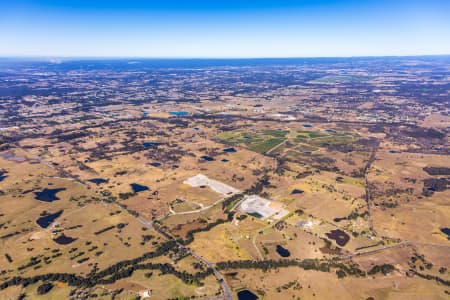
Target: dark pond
(196,128)
(155,164)
(283,251)
(339,236)
(296,192)
(64,239)
(229,150)
(48,195)
(138,188)
(446,231)
(330,130)
(98,180)
(256,215)
(307,125)
(46,220)
(207,158)
(151,144)
(2,176)
(224,160)
(339,219)
(179,113)
(246,295)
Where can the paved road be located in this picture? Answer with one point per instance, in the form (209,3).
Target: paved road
(173,213)
(226,289)
(145,222)
(220,278)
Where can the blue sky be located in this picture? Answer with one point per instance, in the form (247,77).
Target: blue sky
(200,28)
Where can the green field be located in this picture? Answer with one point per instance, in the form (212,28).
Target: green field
(266,145)
(320,139)
(261,141)
(310,134)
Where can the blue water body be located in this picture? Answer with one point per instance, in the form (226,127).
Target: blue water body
(256,215)
(151,144)
(246,295)
(283,252)
(178,113)
(229,150)
(2,176)
(98,180)
(307,125)
(155,164)
(339,236)
(296,192)
(224,160)
(446,231)
(138,188)
(330,130)
(48,195)
(64,239)
(196,128)
(207,158)
(46,220)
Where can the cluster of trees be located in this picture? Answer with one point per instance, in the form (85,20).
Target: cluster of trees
(430,277)
(431,185)
(425,133)
(45,288)
(257,188)
(306,264)
(34,260)
(228,203)
(8,258)
(117,271)
(8,235)
(112,274)
(60,137)
(437,170)
(190,234)
(104,229)
(70,279)
(164,269)
(384,268)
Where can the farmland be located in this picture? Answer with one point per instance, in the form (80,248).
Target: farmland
(209,181)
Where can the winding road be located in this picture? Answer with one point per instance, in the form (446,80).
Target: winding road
(225,287)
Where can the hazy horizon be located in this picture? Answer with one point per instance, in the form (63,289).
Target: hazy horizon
(114,57)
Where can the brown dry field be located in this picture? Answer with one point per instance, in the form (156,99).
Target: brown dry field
(328,194)
(317,285)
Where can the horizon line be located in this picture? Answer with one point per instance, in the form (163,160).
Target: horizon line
(117,57)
